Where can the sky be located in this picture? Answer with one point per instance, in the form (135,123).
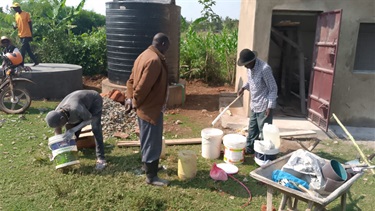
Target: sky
(190,9)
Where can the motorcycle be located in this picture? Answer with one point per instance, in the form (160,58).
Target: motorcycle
(13,99)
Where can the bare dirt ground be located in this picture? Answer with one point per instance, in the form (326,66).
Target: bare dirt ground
(201,100)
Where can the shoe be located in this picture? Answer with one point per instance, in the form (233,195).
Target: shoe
(157,181)
(35,64)
(100,164)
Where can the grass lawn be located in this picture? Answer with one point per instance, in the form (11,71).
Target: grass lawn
(29,181)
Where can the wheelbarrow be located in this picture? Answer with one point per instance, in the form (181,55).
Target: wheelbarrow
(291,197)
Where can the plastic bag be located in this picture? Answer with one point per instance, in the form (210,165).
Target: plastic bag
(217,173)
(306,166)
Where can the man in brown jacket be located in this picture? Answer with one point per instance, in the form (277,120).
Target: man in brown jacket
(147,91)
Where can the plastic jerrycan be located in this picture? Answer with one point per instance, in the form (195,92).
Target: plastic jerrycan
(272,133)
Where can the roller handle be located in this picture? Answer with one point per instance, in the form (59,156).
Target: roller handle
(225,109)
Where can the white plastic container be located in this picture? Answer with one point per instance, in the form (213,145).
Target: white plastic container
(271,133)
(187,164)
(211,142)
(234,148)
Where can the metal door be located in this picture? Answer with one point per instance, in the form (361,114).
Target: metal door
(324,64)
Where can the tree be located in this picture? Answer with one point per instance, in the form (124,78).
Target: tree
(85,21)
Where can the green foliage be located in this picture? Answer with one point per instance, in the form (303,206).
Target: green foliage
(89,51)
(208,47)
(63,34)
(207,54)
(85,21)
(207,11)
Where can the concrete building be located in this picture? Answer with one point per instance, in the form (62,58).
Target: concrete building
(322,53)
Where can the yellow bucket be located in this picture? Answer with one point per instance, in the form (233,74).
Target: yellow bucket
(187,164)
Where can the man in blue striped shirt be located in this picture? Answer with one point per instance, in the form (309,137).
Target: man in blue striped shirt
(263,94)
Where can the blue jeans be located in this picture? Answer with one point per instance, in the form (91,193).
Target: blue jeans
(255,129)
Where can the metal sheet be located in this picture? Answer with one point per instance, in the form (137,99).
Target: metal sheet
(324,65)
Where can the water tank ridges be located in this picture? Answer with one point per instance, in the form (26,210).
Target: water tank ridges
(130,28)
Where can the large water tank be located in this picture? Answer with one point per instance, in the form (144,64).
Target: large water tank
(131,25)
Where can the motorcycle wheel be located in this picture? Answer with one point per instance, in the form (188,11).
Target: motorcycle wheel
(19,104)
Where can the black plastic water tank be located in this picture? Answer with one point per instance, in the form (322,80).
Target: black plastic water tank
(131,25)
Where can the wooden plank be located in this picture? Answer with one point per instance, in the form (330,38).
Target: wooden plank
(289,41)
(269,198)
(128,144)
(167,142)
(297,133)
(86,134)
(301,58)
(283,202)
(87,128)
(284,70)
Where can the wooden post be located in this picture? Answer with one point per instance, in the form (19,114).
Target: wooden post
(309,206)
(269,197)
(301,58)
(284,70)
(283,202)
(343,201)
(295,204)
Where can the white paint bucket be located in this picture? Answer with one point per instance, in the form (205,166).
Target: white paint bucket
(64,151)
(211,142)
(234,148)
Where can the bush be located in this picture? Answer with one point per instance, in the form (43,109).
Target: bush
(89,50)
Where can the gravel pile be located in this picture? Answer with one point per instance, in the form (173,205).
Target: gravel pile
(115,120)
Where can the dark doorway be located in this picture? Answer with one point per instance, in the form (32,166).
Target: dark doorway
(290,56)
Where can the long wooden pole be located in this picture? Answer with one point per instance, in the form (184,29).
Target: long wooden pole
(352,139)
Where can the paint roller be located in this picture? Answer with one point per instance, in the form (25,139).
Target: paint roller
(225,109)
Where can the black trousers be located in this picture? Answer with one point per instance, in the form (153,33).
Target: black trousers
(26,48)
(255,130)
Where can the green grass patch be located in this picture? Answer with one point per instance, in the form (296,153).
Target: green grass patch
(29,181)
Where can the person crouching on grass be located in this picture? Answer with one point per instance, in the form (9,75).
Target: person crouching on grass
(77,107)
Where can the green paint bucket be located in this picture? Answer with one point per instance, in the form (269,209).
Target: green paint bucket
(64,151)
